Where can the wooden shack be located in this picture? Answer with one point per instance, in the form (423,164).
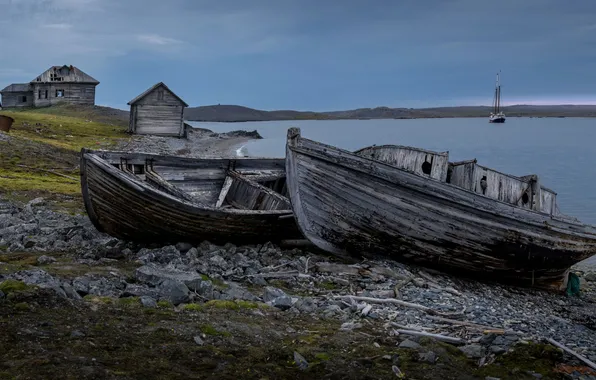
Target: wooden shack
(58,84)
(157,111)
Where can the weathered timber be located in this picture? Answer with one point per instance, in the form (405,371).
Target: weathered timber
(571,352)
(157,111)
(442,338)
(348,204)
(141,197)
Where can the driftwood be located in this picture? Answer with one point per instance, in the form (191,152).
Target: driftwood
(394,301)
(462,323)
(571,352)
(50,171)
(338,268)
(443,338)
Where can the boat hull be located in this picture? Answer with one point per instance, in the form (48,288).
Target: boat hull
(497,120)
(346,204)
(127,208)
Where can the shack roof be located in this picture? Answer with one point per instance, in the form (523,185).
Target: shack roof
(17,87)
(151,89)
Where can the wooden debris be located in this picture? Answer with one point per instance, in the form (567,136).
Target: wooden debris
(443,338)
(461,323)
(337,268)
(397,302)
(571,352)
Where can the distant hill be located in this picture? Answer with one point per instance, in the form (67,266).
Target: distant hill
(233,113)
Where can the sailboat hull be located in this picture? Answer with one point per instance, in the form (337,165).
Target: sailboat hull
(497,120)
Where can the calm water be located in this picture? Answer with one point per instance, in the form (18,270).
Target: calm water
(559,150)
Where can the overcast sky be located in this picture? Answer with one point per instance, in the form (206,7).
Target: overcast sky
(311,54)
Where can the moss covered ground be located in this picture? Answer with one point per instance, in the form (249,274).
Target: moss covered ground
(40,157)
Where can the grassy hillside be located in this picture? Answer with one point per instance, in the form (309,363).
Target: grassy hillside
(40,154)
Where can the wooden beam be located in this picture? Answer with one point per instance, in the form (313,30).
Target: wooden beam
(224,191)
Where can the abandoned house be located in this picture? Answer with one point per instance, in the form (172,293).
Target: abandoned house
(157,111)
(58,84)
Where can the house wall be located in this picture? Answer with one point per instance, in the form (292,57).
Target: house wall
(13,99)
(73,93)
(155,116)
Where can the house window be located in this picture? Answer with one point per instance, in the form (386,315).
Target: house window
(59,93)
(23,98)
(46,95)
(39,94)
(160,94)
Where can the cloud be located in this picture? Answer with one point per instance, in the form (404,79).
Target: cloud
(156,39)
(57,26)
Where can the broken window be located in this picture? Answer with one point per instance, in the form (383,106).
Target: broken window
(23,98)
(46,95)
(59,93)
(39,94)
(160,94)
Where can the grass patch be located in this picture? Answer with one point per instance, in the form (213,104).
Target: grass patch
(164,304)
(212,331)
(46,140)
(234,305)
(193,307)
(13,286)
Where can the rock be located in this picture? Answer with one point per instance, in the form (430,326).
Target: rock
(429,357)
(136,290)
(492,378)
(497,350)
(154,275)
(202,287)
(306,305)
(473,351)
(174,291)
(300,361)
(2,295)
(409,344)
(45,260)
(272,293)
(184,247)
(349,326)
(236,292)
(198,340)
(590,277)
(70,291)
(282,303)
(149,302)
(77,334)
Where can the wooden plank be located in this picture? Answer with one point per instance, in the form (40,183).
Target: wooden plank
(224,191)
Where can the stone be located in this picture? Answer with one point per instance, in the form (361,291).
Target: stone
(272,293)
(70,291)
(184,247)
(45,260)
(77,334)
(136,290)
(2,295)
(497,350)
(202,287)
(198,340)
(409,344)
(154,275)
(282,303)
(148,302)
(174,291)
(429,357)
(590,277)
(306,305)
(473,351)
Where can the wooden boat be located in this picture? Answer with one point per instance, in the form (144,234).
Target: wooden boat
(413,205)
(155,198)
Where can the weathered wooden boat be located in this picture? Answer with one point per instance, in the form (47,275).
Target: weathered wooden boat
(155,198)
(413,205)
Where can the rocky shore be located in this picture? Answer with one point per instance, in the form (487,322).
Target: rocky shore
(199,143)
(426,316)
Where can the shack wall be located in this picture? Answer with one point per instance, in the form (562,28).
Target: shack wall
(156,114)
(47,94)
(15,99)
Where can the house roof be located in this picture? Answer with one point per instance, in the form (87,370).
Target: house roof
(17,87)
(151,89)
(68,73)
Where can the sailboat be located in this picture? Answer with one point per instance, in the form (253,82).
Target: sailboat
(497,116)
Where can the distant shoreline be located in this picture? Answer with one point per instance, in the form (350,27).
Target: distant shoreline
(239,114)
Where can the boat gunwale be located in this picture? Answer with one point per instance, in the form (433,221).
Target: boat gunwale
(444,154)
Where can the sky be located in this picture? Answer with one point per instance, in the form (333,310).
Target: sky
(318,55)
